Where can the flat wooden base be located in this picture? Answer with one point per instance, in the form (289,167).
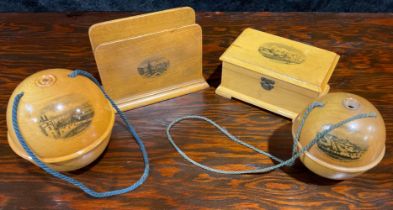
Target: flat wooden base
(163,94)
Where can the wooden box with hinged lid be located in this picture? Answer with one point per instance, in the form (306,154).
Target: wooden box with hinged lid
(275,73)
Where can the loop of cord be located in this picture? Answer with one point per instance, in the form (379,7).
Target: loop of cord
(142,179)
(66,178)
(281,163)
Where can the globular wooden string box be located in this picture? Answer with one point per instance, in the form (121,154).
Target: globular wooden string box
(149,58)
(277,74)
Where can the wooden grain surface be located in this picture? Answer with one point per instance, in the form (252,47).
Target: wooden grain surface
(31,42)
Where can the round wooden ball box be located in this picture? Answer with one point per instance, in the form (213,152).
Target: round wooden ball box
(348,150)
(65,121)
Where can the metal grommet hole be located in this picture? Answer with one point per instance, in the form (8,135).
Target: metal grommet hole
(351,103)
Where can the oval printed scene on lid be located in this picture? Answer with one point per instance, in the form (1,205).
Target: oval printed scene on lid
(282,53)
(341,148)
(153,67)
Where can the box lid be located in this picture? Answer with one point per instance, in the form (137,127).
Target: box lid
(287,60)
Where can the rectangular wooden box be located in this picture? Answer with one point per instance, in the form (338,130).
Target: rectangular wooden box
(148,58)
(278,74)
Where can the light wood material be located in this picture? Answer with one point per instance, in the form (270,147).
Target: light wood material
(35,41)
(140,25)
(298,73)
(149,58)
(67,122)
(349,150)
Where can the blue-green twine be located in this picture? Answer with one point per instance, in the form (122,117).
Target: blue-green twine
(281,163)
(66,178)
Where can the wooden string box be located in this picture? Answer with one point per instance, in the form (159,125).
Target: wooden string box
(277,74)
(149,58)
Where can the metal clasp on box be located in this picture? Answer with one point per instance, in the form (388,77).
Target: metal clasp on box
(267,84)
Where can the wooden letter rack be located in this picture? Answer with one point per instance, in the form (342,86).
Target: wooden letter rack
(149,58)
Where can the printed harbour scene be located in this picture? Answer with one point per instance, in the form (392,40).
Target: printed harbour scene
(340,148)
(153,67)
(65,118)
(282,53)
